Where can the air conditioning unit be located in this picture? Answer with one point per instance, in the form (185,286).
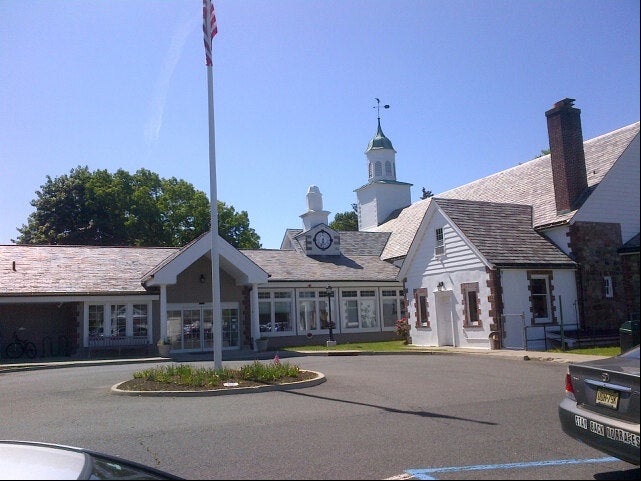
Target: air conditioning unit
(439,250)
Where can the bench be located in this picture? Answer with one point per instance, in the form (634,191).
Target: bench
(118,343)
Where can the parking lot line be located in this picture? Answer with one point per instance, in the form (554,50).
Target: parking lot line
(427,474)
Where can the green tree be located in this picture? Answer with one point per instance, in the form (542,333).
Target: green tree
(234,228)
(99,208)
(426,194)
(345,221)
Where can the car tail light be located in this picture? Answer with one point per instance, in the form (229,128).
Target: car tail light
(569,389)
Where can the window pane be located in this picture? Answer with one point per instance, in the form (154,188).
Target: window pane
(96,320)
(368,313)
(472,307)
(390,312)
(140,319)
(265,316)
(307,316)
(538,286)
(350,313)
(119,320)
(283,315)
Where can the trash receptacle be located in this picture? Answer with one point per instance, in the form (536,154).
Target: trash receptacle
(495,340)
(629,335)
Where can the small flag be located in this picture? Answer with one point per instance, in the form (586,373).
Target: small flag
(210,28)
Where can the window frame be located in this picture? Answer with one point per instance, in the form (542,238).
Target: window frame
(421,308)
(273,299)
(471,317)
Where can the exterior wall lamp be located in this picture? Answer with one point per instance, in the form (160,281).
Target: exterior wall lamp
(202,278)
(441,286)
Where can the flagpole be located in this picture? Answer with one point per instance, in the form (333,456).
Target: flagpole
(217,330)
(210,29)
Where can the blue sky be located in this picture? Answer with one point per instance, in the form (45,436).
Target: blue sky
(123,84)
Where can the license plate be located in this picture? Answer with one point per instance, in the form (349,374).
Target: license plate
(606,397)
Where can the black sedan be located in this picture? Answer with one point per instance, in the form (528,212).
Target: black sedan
(601,405)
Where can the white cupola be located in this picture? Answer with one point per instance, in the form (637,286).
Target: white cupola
(383,194)
(315,214)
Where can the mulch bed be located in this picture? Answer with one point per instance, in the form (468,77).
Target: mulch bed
(144,385)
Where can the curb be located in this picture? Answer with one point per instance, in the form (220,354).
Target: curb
(319,379)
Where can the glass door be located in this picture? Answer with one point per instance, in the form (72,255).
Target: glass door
(231,325)
(191,327)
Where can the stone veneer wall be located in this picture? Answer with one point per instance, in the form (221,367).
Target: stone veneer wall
(594,246)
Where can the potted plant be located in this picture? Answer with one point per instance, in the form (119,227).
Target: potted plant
(164,346)
(261,343)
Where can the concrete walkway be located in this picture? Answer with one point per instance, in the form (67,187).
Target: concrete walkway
(10,365)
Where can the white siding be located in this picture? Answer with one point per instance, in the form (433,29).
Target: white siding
(559,236)
(616,198)
(459,264)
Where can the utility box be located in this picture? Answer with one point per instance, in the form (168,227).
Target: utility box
(629,335)
(495,340)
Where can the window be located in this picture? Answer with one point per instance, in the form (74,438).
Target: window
(420,300)
(313,312)
(96,320)
(275,311)
(471,309)
(607,286)
(140,320)
(358,310)
(378,169)
(119,320)
(391,302)
(388,168)
(440,245)
(540,303)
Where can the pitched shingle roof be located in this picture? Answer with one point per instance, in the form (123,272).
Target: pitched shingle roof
(352,243)
(529,183)
(289,265)
(503,233)
(77,270)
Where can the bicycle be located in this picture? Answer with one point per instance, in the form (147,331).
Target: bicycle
(20,347)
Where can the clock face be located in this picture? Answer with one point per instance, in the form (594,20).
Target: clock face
(323,240)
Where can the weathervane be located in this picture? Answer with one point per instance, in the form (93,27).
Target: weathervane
(378,107)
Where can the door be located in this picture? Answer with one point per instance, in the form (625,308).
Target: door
(444,318)
(190,327)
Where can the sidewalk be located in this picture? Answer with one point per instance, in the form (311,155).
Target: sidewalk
(11,365)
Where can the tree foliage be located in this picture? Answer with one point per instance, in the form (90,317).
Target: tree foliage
(99,208)
(426,194)
(345,221)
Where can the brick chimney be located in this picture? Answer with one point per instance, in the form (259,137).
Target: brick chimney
(567,156)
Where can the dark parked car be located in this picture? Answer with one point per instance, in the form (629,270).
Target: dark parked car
(601,404)
(31,460)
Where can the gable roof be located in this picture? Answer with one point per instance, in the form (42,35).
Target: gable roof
(529,183)
(361,243)
(49,270)
(290,265)
(231,260)
(503,233)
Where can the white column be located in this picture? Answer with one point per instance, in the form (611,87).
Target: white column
(253,307)
(163,311)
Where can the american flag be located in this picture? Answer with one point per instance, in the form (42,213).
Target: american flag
(209,28)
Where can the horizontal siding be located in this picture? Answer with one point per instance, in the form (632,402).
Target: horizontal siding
(616,199)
